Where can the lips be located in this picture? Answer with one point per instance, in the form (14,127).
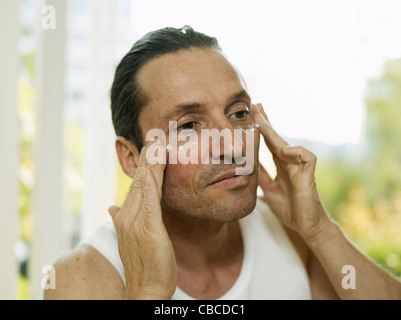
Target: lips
(224,176)
(230,179)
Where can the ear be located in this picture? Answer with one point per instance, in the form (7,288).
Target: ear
(128,156)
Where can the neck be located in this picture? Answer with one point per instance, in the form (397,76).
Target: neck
(202,244)
(209,255)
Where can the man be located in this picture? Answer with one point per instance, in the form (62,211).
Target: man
(197,230)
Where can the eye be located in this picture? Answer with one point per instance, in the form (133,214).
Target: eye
(187,126)
(242,114)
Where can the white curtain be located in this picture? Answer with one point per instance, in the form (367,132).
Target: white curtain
(73,72)
(85,50)
(9,132)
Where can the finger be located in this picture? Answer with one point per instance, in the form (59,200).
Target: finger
(299,155)
(282,169)
(279,147)
(150,202)
(142,156)
(265,180)
(157,157)
(132,200)
(136,184)
(261,111)
(273,141)
(114,210)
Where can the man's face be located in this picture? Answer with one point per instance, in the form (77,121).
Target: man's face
(199,88)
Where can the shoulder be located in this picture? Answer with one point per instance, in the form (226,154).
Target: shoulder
(278,227)
(84,274)
(283,232)
(320,285)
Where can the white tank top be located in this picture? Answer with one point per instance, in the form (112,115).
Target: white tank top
(271,268)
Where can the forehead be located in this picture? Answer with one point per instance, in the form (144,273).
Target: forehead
(188,76)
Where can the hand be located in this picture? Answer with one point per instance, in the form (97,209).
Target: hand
(144,245)
(292,195)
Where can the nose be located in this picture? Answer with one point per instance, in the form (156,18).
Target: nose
(224,142)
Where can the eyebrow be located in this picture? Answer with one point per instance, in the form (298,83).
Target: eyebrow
(181,108)
(186,107)
(241,95)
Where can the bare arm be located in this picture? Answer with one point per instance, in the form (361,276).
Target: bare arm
(321,287)
(144,246)
(334,251)
(294,199)
(85,274)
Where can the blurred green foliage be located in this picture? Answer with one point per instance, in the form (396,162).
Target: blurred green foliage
(26,115)
(364,196)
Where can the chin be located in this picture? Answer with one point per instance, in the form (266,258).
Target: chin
(223,209)
(235,205)
(230,210)
(223,204)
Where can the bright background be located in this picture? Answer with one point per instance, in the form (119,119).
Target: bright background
(327,72)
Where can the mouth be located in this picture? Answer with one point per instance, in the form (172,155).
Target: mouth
(230,179)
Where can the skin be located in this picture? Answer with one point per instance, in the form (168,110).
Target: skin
(177,228)
(191,80)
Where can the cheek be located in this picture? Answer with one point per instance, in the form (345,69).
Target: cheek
(257,142)
(252,150)
(179,178)
(179,190)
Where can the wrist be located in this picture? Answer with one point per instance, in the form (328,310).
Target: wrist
(325,232)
